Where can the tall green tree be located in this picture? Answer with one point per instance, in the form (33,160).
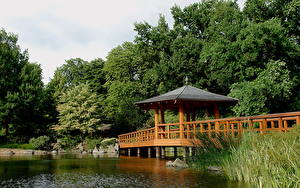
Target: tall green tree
(268,93)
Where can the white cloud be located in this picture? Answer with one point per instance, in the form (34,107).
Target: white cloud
(55,30)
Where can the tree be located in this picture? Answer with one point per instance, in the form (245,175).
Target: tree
(22,95)
(79,112)
(266,94)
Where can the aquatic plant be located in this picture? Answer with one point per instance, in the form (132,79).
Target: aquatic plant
(270,160)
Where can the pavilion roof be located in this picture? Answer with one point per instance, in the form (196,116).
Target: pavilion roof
(189,93)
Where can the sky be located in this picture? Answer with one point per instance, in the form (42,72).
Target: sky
(54,30)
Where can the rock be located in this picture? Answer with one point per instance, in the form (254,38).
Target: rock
(95,151)
(214,168)
(27,152)
(177,163)
(54,152)
(111,149)
(102,150)
(116,147)
(9,153)
(62,151)
(84,152)
(40,152)
(169,164)
(80,147)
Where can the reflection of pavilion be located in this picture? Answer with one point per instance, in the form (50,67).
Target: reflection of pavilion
(187,100)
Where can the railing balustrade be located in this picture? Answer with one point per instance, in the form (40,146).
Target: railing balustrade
(262,124)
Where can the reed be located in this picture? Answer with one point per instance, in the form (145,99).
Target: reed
(212,150)
(271,160)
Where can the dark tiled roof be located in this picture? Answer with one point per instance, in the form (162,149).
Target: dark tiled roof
(189,93)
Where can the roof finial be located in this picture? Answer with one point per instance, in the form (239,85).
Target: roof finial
(186,79)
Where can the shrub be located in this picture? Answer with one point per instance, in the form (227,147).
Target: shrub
(42,142)
(92,143)
(108,141)
(67,142)
(17,146)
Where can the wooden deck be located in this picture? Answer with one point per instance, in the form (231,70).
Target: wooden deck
(184,134)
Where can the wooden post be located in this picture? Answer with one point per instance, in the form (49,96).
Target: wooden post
(129,152)
(162,152)
(138,152)
(216,111)
(157,151)
(280,124)
(156,121)
(149,152)
(184,152)
(162,120)
(298,120)
(181,120)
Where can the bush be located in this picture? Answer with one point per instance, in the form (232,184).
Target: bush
(67,142)
(42,142)
(16,146)
(91,143)
(108,141)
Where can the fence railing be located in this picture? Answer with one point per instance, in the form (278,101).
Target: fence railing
(231,126)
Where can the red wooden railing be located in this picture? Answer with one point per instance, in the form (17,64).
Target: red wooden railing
(232,126)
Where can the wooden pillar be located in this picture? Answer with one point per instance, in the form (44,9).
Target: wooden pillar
(298,120)
(181,120)
(149,152)
(162,152)
(184,152)
(156,121)
(129,152)
(188,113)
(138,152)
(216,111)
(157,151)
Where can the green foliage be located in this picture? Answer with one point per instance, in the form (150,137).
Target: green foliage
(78,112)
(41,142)
(107,142)
(270,160)
(91,143)
(16,146)
(67,142)
(270,90)
(22,94)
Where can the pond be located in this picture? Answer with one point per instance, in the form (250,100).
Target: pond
(101,171)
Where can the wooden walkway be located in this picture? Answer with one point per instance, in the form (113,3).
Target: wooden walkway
(184,134)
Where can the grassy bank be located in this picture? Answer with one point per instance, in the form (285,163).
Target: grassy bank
(271,160)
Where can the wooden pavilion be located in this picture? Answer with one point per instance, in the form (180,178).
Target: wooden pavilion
(187,100)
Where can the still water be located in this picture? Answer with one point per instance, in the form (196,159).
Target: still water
(101,171)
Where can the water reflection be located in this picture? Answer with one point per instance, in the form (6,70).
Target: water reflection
(100,171)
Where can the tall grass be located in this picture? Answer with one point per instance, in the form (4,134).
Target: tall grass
(271,160)
(211,151)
